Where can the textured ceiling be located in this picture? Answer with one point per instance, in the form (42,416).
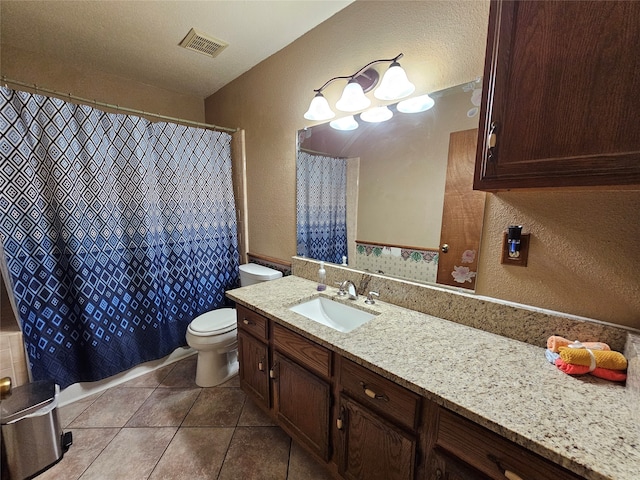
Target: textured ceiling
(139,39)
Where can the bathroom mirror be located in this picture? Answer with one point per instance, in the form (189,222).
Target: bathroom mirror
(396,174)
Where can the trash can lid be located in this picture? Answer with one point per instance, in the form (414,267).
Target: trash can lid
(27,399)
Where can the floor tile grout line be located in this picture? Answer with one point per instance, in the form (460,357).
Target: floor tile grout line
(235,429)
(163,451)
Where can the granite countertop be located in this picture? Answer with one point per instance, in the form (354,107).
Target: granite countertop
(583,423)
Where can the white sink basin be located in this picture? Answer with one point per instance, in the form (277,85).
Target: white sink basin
(333,314)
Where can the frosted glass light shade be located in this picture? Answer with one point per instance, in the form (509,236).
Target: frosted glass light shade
(394,84)
(353,98)
(376,115)
(344,123)
(319,109)
(416,104)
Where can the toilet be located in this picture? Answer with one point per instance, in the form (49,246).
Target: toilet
(214,334)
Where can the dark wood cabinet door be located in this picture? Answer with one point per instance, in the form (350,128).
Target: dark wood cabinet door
(560,93)
(371,447)
(254,369)
(302,402)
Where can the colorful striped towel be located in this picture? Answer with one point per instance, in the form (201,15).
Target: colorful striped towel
(593,358)
(554,342)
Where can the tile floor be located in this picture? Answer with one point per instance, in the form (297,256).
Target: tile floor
(163,426)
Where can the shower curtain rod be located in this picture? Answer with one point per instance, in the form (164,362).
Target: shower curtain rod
(118,108)
(324,154)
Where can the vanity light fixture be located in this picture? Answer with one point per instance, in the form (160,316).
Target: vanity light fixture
(344,123)
(394,85)
(376,115)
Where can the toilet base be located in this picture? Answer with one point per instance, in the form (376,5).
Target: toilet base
(214,368)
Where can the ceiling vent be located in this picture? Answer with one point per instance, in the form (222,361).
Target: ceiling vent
(201,43)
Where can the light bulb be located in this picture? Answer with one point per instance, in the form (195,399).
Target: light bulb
(319,109)
(344,123)
(394,84)
(376,115)
(353,98)
(416,104)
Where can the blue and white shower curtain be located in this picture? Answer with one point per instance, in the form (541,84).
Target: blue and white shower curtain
(117,232)
(321,207)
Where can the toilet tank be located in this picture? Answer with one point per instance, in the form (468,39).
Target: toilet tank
(251,273)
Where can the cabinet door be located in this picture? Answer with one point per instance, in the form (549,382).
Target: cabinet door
(253,369)
(560,93)
(302,403)
(371,446)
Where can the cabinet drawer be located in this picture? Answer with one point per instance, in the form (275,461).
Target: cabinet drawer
(252,322)
(304,351)
(371,389)
(490,453)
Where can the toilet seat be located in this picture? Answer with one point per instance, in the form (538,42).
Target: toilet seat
(215,322)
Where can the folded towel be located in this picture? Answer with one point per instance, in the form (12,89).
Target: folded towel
(614,375)
(593,358)
(554,342)
(551,356)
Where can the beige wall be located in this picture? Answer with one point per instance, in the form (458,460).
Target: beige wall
(583,252)
(269,101)
(82,81)
(583,256)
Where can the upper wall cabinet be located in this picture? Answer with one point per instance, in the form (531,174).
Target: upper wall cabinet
(561,96)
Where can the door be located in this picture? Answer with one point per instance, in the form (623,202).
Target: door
(371,447)
(462,214)
(560,95)
(253,369)
(302,404)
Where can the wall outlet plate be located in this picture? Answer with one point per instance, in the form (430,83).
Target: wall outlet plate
(521,259)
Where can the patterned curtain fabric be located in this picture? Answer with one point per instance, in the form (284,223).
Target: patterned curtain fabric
(321,207)
(117,232)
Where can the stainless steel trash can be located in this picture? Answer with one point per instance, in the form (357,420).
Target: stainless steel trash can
(32,439)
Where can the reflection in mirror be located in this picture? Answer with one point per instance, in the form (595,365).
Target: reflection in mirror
(380,191)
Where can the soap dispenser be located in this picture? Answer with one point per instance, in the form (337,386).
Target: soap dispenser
(322,278)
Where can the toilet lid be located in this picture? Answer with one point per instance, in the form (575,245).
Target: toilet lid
(216,321)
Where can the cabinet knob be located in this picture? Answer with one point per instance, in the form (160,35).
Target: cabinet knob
(445,248)
(507,473)
(511,475)
(492,140)
(372,394)
(339,421)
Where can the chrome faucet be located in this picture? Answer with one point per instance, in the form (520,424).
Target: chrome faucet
(348,287)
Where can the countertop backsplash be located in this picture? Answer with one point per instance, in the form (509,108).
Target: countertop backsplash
(632,352)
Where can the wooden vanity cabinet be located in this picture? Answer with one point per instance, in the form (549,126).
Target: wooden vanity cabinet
(364,425)
(288,376)
(377,426)
(560,95)
(462,446)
